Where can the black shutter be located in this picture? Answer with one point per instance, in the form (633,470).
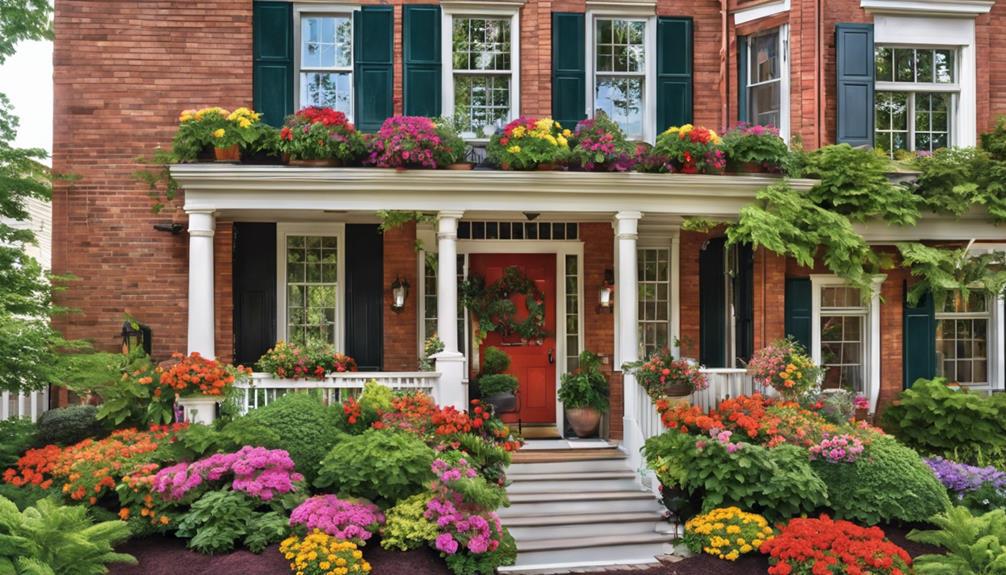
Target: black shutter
(742,79)
(569,73)
(919,340)
(373,35)
(743,282)
(254,271)
(712,304)
(799,313)
(674,72)
(272,60)
(855,63)
(364,295)
(421,69)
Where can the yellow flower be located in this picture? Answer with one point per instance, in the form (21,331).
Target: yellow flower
(544,124)
(244,123)
(563,142)
(519,132)
(219,133)
(732,556)
(566,132)
(733,529)
(746,548)
(514,149)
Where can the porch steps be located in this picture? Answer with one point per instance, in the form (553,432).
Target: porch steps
(580,508)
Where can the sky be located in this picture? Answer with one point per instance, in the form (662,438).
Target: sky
(26,79)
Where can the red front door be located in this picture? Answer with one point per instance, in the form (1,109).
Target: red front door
(531,363)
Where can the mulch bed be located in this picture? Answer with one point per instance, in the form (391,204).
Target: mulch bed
(168,556)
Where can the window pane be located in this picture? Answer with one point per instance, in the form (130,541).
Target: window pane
(766,61)
(481,101)
(619,45)
(326,42)
(891,121)
(312,294)
(923,66)
(904,65)
(943,65)
(621,98)
(653,287)
(327,89)
(884,59)
(932,111)
(765,104)
(481,44)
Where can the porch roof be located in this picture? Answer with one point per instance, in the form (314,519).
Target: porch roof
(222,188)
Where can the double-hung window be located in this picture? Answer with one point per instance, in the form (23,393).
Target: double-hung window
(620,70)
(654,284)
(763,89)
(963,329)
(845,334)
(325,61)
(916,95)
(310,265)
(482,82)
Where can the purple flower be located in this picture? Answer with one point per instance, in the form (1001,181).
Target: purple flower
(961,478)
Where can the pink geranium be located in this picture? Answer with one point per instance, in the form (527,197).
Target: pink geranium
(355,521)
(407,142)
(462,525)
(257,471)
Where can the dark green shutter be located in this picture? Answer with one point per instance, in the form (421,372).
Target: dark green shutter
(742,79)
(855,63)
(799,312)
(373,35)
(272,60)
(569,72)
(712,304)
(743,281)
(421,41)
(674,72)
(919,340)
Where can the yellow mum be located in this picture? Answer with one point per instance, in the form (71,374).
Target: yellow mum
(219,133)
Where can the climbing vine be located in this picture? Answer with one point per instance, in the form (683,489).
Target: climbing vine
(494,308)
(942,271)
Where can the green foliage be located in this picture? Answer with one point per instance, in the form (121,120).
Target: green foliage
(161,187)
(125,401)
(376,396)
(949,271)
(68,425)
(494,360)
(464,563)
(381,465)
(198,441)
(16,436)
(489,458)
(889,482)
(777,483)
(475,492)
(268,528)
(406,527)
(394,219)
(994,142)
(587,386)
(23,20)
(24,496)
(974,545)
(50,539)
(297,423)
(755,145)
(219,519)
(950,180)
(497,383)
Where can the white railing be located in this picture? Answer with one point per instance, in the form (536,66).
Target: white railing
(31,404)
(264,388)
(723,383)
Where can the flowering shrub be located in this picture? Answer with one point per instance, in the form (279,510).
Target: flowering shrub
(293,362)
(198,130)
(406,526)
(600,145)
(355,521)
(648,160)
(786,367)
(137,503)
(825,546)
(691,149)
(756,147)
(322,554)
(526,143)
(197,375)
(727,533)
(662,375)
(315,133)
(977,488)
(409,142)
(861,402)
(844,448)
(259,472)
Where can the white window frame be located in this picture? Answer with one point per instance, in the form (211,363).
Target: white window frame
(871,336)
(782,49)
(448,12)
(649,72)
(640,322)
(300,11)
(654,234)
(993,343)
(335,229)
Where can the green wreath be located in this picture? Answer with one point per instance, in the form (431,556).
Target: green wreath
(496,312)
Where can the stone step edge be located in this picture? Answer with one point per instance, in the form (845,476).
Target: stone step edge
(546,497)
(581,519)
(571,476)
(549,568)
(540,545)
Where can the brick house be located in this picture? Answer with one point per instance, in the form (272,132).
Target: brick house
(897,74)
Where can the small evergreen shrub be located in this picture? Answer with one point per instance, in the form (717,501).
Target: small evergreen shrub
(492,380)
(16,436)
(383,466)
(405,525)
(68,425)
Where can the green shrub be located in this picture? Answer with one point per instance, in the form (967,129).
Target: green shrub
(68,425)
(888,482)
(492,380)
(974,545)
(24,496)
(587,386)
(464,563)
(297,423)
(198,441)
(495,360)
(218,520)
(16,436)
(268,528)
(381,465)
(777,483)
(405,526)
(376,396)
(50,539)
(489,458)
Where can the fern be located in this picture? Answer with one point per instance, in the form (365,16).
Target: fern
(975,545)
(945,271)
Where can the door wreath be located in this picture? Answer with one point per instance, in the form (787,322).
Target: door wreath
(496,311)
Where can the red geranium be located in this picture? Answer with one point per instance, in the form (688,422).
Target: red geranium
(824,546)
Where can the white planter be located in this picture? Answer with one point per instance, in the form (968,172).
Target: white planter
(199,408)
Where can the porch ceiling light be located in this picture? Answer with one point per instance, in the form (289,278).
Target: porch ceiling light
(399,293)
(606,295)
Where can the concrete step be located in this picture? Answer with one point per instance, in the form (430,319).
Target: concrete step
(568,466)
(538,504)
(609,549)
(534,528)
(572,482)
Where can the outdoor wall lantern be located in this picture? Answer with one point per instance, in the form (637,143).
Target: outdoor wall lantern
(606,295)
(399,293)
(135,335)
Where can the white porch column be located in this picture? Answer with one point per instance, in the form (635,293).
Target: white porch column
(202,226)
(627,296)
(450,362)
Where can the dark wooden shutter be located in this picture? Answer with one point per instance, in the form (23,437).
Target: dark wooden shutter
(674,72)
(919,340)
(569,73)
(373,34)
(799,313)
(422,67)
(743,282)
(254,269)
(272,60)
(855,63)
(742,79)
(365,296)
(712,304)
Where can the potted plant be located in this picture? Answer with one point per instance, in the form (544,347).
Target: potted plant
(529,144)
(648,160)
(600,146)
(200,132)
(755,149)
(664,376)
(691,149)
(320,137)
(199,385)
(455,151)
(408,142)
(785,367)
(584,395)
(498,389)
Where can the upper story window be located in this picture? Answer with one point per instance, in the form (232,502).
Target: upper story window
(962,339)
(620,70)
(916,95)
(764,81)
(326,61)
(483,62)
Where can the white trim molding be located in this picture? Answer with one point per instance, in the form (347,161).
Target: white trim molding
(961,8)
(745,15)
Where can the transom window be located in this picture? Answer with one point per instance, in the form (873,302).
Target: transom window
(843,337)
(312,287)
(620,72)
(654,284)
(482,60)
(326,61)
(962,335)
(764,81)
(915,98)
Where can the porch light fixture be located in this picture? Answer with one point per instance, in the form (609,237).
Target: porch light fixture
(399,292)
(135,335)
(606,295)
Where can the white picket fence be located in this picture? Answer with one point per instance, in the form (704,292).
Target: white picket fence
(264,388)
(31,404)
(723,383)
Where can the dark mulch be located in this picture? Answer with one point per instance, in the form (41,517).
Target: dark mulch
(168,556)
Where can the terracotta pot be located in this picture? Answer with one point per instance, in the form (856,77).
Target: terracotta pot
(327,163)
(583,420)
(228,154)
(460,166)
(677,390)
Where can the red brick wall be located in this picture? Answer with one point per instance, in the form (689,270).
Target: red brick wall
(769,298)
(690,249)
(223,292)
(599,325)
(401,328)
